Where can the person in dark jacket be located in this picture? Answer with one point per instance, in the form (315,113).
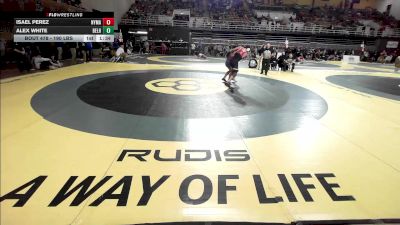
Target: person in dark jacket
(282,62)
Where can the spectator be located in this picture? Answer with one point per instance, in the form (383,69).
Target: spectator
(193,48)
(163,48)
(388,58)
(2,51)
(282,62)
(72,48)
(106,51)
(146,47)
(290,62)
(82,50)
(59,50)
(21,58)
(45,63)
(152,48)
(120,53)
(397,64)
(89,50)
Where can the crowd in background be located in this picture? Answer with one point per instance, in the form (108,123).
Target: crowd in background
(43,56)
(76,3)
(229,11)
(244,12)
(143,9)
(307,53)
(33,5)
(345,17)
(330,16)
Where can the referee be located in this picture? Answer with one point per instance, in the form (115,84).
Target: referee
(266,59)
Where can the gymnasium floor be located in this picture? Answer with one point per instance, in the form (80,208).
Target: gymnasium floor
(160,139)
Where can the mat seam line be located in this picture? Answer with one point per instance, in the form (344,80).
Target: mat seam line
(105,173)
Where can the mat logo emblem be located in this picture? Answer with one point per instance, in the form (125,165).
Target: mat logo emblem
(185,86)
(180,85)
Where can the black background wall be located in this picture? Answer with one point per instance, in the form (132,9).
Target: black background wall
(163,33)
(168,33)
(172,34)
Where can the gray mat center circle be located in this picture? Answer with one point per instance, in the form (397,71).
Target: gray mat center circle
(267,107)
(128,94)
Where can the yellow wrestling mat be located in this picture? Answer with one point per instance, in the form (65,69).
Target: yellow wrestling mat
(88,162)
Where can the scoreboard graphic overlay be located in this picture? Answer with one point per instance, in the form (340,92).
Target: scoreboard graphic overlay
(64,27)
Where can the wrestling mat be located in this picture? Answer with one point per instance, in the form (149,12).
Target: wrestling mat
(162,140)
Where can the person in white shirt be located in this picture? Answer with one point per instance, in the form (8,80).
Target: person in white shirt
(146,47)
(290,61)
(193,48)
(200,55)
(121,52)
(388,59)
(45,63)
